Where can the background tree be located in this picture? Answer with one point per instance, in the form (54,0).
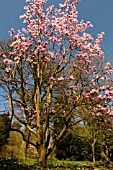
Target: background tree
(4,130)
(49,75)
(74,145)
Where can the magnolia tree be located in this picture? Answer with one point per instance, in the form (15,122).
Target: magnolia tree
(49,74)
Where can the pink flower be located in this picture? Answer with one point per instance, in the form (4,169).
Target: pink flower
(53,111)
(100,97)
(102,109)
(107,93)
(3,55)
(94,91)
(110,98)
(103,88)
(8,69)
(9,117)
(76,2)
(85,96)
(47,59)
(96,76)
(93,83)
(27,1)
(61,78)
(61,5)
(111,114)
(108,64)
(8,61)
(102,78)
(58,55)
(51,54)
(11,33)
(71,78)
(22,108)
(52,78)
(109,71)
(99,114)
(109,121)
(64,61)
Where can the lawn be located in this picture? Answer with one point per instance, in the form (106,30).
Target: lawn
(30,164)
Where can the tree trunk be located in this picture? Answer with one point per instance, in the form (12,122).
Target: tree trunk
(106,150)
(93,146)
(22,150)
(52,155)
(105,153)
(93,152)
(42,155)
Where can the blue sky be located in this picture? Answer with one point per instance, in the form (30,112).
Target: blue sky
(98,12)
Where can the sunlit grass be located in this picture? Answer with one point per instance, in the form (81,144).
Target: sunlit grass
(69,162)
(29,161)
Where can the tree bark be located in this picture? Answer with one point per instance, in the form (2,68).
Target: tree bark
(105,153)
(93,146)
(93,152)
(42,155)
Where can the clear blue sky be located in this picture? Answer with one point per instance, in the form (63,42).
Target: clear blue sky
(99,12)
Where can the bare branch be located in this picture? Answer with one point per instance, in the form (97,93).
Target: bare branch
(17,130)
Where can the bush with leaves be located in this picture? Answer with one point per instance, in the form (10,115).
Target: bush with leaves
(4,129)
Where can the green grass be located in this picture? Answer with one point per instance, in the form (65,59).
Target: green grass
(59,162)
(30,164)
(69,162)
(62,165)
(29,161)
(71,165)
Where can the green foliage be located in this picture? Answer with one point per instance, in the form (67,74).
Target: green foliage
(74,147)
(13,164)
(4,129)
(107,143)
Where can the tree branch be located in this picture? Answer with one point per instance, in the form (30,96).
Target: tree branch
(19,131)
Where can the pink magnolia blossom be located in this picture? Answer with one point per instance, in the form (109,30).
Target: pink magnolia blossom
(94,91)
(3,55)
(71,77)
(8,61)
(52,78)
(99,114)
(8,69)
(111,114)
(53,111)
(109,121)
(108,64)
(11,33)
(60,78)
(104,87)
(85,96)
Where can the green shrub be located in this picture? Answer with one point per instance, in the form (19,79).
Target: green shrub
(13,164)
